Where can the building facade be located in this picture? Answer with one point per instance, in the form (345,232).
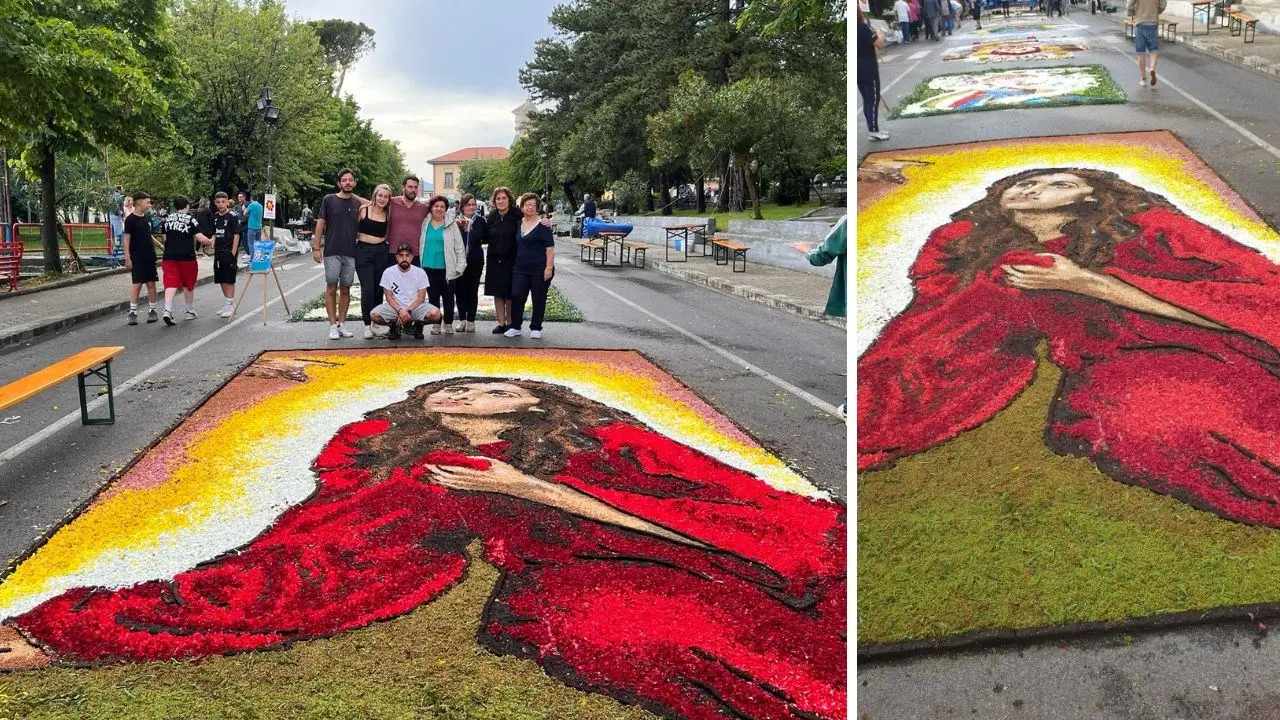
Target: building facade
(446,170)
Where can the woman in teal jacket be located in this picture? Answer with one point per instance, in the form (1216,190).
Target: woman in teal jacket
(831,249)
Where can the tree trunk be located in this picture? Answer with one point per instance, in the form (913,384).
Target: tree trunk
(722,197)
(666,194)
(751,187)
(648,197)
(700,187)
(49,212)
(569,192)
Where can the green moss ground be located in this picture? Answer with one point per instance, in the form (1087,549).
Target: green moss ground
(424,665)
(992,530)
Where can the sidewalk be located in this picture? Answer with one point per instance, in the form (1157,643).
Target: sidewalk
(1262,55)
(799,293)
(31,314)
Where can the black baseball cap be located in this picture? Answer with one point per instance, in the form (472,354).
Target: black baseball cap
(404,247)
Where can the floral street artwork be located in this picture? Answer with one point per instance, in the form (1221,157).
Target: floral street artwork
(1023,49)
(1004,89)
(1068,387)
(1014,28)
(647,548)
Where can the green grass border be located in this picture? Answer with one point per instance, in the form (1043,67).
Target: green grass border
(1107,92)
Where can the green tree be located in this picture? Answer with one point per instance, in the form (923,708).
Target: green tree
(344,42)
(771,18)
(80,76)
(480,177)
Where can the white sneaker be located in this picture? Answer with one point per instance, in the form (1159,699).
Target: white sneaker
(333,332)
(368,332)
(462,326)
(225,312)
(344,332)
(535,334)
(381,330)
(190,315)
(511,333)
(1142,82)
(435,329)
(471,327)
(880,135)
(448,329)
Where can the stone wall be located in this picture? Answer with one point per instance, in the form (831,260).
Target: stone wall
(770,242)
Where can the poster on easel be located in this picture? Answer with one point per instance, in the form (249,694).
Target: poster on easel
(264,249)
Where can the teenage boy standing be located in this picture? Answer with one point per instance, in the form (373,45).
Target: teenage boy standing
(336,247)
(140,257)
(181,231)
(224,228)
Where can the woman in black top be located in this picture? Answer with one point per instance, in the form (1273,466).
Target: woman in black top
(502,227)
(869,75)
(372,257)
(473,229)
(534,266)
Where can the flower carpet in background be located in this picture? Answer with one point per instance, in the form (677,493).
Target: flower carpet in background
(1013,28)
(1039,460)
(636,543)
(559,308)
(1022,49)
(1005,89)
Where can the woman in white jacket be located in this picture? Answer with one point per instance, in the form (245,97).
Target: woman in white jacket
(444,257)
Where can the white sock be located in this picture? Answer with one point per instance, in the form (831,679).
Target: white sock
(151,306)
(168,306)
(133,307)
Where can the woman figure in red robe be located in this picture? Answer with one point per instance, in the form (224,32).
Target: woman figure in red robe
(630,564)
(1163,328)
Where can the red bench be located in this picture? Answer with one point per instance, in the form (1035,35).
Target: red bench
(10,261)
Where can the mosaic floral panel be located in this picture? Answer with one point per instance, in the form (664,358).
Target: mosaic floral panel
(1013,50)
(1005,89)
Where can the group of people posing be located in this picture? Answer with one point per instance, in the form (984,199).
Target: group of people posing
(419,265)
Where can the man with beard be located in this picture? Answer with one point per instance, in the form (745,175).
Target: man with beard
(336,248)
(404,285)
(407,216)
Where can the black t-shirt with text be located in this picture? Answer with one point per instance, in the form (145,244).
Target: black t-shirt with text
(138,228)
(180,236)
(223,229)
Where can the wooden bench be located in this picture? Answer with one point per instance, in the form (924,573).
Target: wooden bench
(95,362)
(634,253)
(1242,23)
(727,251)
(1168,29)
(590,251)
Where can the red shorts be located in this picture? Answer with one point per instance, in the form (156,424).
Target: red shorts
(180,274)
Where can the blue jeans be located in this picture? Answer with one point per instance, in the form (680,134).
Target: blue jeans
(1145,38)
(905,29)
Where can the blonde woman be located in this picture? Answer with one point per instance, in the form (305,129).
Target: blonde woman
(372,257)
(444,257)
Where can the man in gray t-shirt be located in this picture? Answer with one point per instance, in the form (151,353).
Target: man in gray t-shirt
(335,239)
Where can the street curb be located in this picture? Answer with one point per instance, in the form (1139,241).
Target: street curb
(746,292)
(77,280)
(23,333)
(1197,43)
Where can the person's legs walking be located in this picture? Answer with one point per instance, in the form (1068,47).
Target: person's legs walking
(1145,41)
(905,29)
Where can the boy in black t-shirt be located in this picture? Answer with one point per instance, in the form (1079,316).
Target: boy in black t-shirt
(224,229)
(140,257)
(181,232)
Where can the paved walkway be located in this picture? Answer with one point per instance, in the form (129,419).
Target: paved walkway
(1262,55)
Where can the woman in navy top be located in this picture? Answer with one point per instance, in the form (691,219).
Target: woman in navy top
(534,267)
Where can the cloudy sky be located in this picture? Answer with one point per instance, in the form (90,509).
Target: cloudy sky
(443,75)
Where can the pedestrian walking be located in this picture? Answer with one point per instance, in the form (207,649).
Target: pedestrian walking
(444,257)
(404,289)
(253,226)
(931,15)
(116,217)
(957,12)
(140,257)
(336,248)
(1146,19)
(914,8)
(869,39)
(224,228)
(181,233)
(501,228)
(534,268)
(1004,4)
(903,11)
(371,253)
(473,228)
(242,216)
(977,13)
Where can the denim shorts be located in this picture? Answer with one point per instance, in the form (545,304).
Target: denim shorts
(339,270)
(1145,37)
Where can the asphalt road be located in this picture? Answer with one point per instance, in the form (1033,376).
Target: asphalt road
(1218,671)
(755,364)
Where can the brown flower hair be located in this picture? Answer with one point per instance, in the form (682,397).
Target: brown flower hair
(540,442)
(1098,226)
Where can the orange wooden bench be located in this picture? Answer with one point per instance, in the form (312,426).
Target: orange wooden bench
(94,362)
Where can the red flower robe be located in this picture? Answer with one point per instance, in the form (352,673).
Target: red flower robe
(1180,409)
(757,628)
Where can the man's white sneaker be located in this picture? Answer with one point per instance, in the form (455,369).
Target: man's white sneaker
(462,326)
(190,315)
(879,135)
(1142,82)
(535,334)
(168,318)
(448,328)
(368,332)
(511,333)
(435,329)
(333,332)
(344,332)
(471,327)
(225,312)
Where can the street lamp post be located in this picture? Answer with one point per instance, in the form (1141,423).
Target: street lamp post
(271,116)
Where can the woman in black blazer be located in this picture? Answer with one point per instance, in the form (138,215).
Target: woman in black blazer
(501,228)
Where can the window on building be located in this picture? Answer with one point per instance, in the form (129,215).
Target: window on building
(448,181)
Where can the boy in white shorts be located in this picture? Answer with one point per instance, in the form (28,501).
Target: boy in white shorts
(404,289)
